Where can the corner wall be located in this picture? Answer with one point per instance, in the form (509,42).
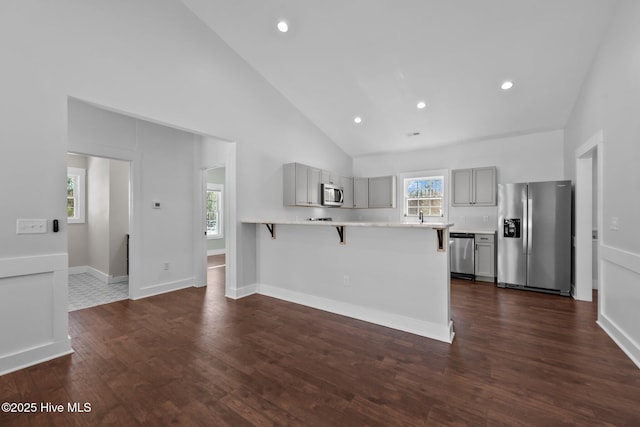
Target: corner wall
(610,101)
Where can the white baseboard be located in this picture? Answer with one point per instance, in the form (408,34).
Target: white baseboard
(626,344)
(242,292)
(103,277)
(33,356)
(415,326)
(216,252)
(163,288)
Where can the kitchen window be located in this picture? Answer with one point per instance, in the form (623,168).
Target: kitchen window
(424,194)
(76,195)
(214,211)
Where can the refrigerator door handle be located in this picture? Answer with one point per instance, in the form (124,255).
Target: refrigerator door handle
(529,224)
(525,226)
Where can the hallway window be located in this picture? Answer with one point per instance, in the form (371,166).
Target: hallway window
(76,195)
(214,211)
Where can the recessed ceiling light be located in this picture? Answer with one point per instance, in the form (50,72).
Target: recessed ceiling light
(283,27)
(421,105)
(357,119)
(506,85)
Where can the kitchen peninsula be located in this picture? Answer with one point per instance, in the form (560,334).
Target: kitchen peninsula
(394,274)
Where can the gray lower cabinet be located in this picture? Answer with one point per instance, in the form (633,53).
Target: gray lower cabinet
(301,185)
(382,192)
(474,187)
(485,264)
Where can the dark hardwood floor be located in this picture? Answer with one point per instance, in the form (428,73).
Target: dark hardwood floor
(193,357)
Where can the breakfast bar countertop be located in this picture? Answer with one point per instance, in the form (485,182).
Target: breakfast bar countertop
(339,223)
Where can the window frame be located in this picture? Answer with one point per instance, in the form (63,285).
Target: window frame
(80,200)
(442,174)
(217,188)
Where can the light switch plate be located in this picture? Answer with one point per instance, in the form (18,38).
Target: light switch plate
(31,226)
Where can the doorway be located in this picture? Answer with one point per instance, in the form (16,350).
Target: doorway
(215,215)
(589,210)
(159,263)
(98,217)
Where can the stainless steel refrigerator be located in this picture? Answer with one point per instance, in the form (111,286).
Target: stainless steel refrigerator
(534,236)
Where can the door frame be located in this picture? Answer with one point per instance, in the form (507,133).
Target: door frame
(584,156)
(229,218)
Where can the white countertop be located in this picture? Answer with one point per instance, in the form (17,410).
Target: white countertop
(337,223)
(472,230)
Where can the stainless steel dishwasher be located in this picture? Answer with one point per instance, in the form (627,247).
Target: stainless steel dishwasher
(462,250)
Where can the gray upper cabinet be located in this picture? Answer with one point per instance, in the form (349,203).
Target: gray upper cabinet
(473,187)
(301,185)
(360,192)
(328,177)
(347,185)
(382,192)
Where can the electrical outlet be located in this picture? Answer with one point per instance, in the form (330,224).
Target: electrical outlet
(166,265)
(615,224)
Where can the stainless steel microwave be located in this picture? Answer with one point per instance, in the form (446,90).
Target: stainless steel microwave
(332,195)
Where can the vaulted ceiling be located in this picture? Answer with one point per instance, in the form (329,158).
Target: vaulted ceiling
(376,59)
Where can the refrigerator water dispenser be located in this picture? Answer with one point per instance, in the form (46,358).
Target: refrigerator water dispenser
(512,228)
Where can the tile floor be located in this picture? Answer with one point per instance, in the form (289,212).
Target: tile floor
(87,291)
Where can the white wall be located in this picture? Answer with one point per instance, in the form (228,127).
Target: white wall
(372,277)
(610,101)
(151,59)
(531,157)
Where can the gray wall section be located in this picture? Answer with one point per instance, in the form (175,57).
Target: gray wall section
(78,250)
(118,217)
(101,241)
(98,213)
(216,175)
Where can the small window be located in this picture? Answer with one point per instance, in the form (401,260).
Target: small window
(214,211)
(76,195)
(424,194)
